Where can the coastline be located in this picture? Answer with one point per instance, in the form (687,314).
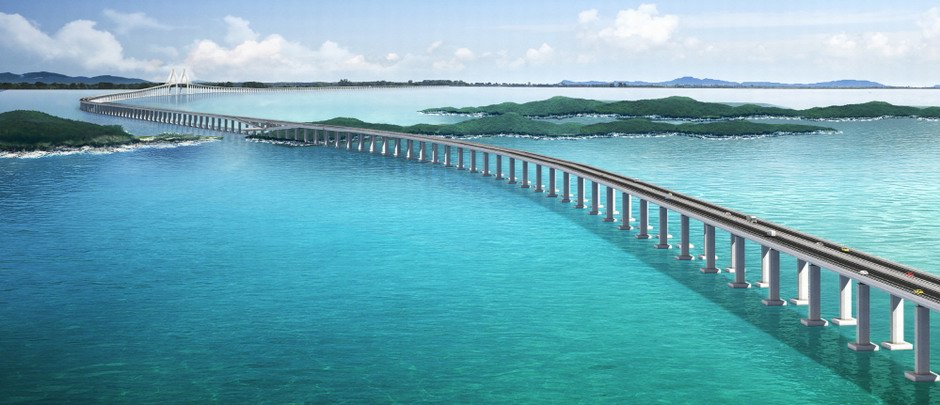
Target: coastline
(100,150)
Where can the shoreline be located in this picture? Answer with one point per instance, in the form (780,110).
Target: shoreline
(99,150)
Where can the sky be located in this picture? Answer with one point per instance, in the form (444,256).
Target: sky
(794,41)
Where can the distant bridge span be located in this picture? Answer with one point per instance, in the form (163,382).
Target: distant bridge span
(812,253)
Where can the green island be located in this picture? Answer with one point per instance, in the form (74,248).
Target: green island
(25,131)
(512,123)
(687,109)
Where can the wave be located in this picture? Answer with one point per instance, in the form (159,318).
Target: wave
(98,150)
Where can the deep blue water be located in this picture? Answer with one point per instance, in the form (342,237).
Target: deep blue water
(239,272)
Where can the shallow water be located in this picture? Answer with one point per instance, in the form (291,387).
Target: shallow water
(240,271)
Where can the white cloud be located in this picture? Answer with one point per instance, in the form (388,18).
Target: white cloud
(930,23)
(127,22)
(640,28)
(276,58)
(542,54)
(392,57)
(434,45)
(238,31)
(464,54)
(587,16)
(887,47)
(77,43)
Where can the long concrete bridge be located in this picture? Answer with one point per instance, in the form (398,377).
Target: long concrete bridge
(812,253)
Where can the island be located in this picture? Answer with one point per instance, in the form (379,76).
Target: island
(685,108)
(24,131)
(513,123)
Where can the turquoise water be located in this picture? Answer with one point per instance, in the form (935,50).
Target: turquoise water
(239,272)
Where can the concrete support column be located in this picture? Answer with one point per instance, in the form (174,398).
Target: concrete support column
(814,316)
(538,179)
(525,174)
(663,229)
(764,268)
(551,183)
(773,278)
(734,255)
(802,283)
(384,146)
(566,187)
(372,143)
(580,192)
(486,164)
(499,167)
(862,341)
(845,303)
(921,370)
(897,326)
(684,239)
(512,171)
(398,147)
(435,159)
(595,198)
(421,152)
(644,220)
(740,269)
(360,147)
(626,210)
(409,153)
(348,141)
(460,158)
(448,161)
(473,161)
(610,205)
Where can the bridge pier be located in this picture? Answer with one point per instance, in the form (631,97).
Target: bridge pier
(802,282)
(644,220)
(512,171)
(764,268)
(551,183)
(421,151)
(409,154)
(525,174)
(348,141)
(538,179)
(398,147)
(499,167)
(473,161)
(372,143)
(447,158)
(813,317)
(684,238)
(897,326)
(566,187)
(595,199)
(663,229)
(361,138)
(580,191)
(384,151)
(772,262)
(862,341)
(740,269)
(626,200)
(709,250)
(845,303)
(610,205)
(734,255)
(435,159)
(921,370)
(460,158)
(486,164)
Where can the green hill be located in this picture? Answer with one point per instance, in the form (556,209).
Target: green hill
(687,108)
(513,123)
(33,130)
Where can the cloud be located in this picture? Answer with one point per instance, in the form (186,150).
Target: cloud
(127,22)
(77,43)
(434,45)
(456,63)
(276,58)
(532,56)
(929,23)
(392,57)
(238,31)
(587,16)
(464,54)
(640,28)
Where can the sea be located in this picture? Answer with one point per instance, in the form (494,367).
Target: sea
(239,272)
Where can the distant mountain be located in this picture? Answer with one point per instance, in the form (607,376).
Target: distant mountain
(50,77)
(689,81)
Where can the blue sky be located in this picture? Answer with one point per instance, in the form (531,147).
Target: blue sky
(502,41)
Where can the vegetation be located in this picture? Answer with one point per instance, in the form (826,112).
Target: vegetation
(687,108)
(73,86)
(22,130)
(516,124)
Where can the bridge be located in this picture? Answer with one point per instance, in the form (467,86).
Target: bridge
(812,253)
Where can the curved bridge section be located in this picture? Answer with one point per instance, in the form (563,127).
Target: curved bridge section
(812,253)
